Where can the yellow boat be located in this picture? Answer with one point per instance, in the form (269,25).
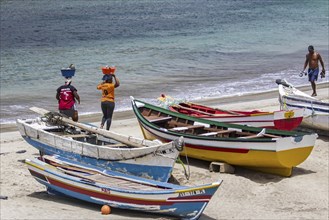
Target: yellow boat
(266,150)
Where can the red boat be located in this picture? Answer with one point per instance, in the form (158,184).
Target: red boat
(282,120)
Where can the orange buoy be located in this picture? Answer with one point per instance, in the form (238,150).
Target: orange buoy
(106,210)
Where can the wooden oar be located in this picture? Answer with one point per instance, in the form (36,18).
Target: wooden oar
(105,133)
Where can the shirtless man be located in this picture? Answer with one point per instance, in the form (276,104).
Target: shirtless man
(312,60)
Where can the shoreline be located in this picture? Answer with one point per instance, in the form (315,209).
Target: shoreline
(225,102)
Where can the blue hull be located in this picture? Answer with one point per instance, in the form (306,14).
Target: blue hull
(182,207)
(180,202)
(159,173)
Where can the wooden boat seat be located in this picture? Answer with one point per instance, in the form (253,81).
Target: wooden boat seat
(178,124)
(156,119)
(208,134)
(186,128)
(179,129)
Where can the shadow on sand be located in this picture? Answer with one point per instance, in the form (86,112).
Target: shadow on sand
(252,175)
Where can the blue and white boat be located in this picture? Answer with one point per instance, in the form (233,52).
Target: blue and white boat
(93,146)
(118,190)
(316,112)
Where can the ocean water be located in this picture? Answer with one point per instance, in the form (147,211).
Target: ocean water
(187,49)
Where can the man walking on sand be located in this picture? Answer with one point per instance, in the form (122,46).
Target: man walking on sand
(312,60)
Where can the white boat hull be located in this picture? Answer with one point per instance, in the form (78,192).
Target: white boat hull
(316,112)
(153,161)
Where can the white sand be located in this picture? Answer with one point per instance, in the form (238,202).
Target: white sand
(244,195)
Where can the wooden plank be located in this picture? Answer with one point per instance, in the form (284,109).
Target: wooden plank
(209,134)
(195,126)
(212,129)
(178,129)
(178,124)
(186,128)
(159,119)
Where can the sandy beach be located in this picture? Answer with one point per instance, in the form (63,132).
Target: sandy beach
(246,194)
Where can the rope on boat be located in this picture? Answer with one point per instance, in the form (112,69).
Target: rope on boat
(313,112)
(187,174)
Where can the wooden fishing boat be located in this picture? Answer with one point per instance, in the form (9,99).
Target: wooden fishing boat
(282,120)
(316,112)
(267,150)
(106,149)
(118,190)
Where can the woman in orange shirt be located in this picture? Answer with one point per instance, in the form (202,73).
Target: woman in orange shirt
(107,100)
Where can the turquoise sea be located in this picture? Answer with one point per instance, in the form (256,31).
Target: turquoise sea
(187,49)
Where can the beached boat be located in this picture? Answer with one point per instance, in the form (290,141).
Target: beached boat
(316,112)
(118,190)
(282,120)
(106,149)
(267,150)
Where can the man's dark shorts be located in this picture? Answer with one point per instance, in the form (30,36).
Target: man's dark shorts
(313,74)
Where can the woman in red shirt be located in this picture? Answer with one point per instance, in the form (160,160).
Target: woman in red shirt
(67,96)
(107,100)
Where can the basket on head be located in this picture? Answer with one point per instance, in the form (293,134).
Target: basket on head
(108,69)
(68,72)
